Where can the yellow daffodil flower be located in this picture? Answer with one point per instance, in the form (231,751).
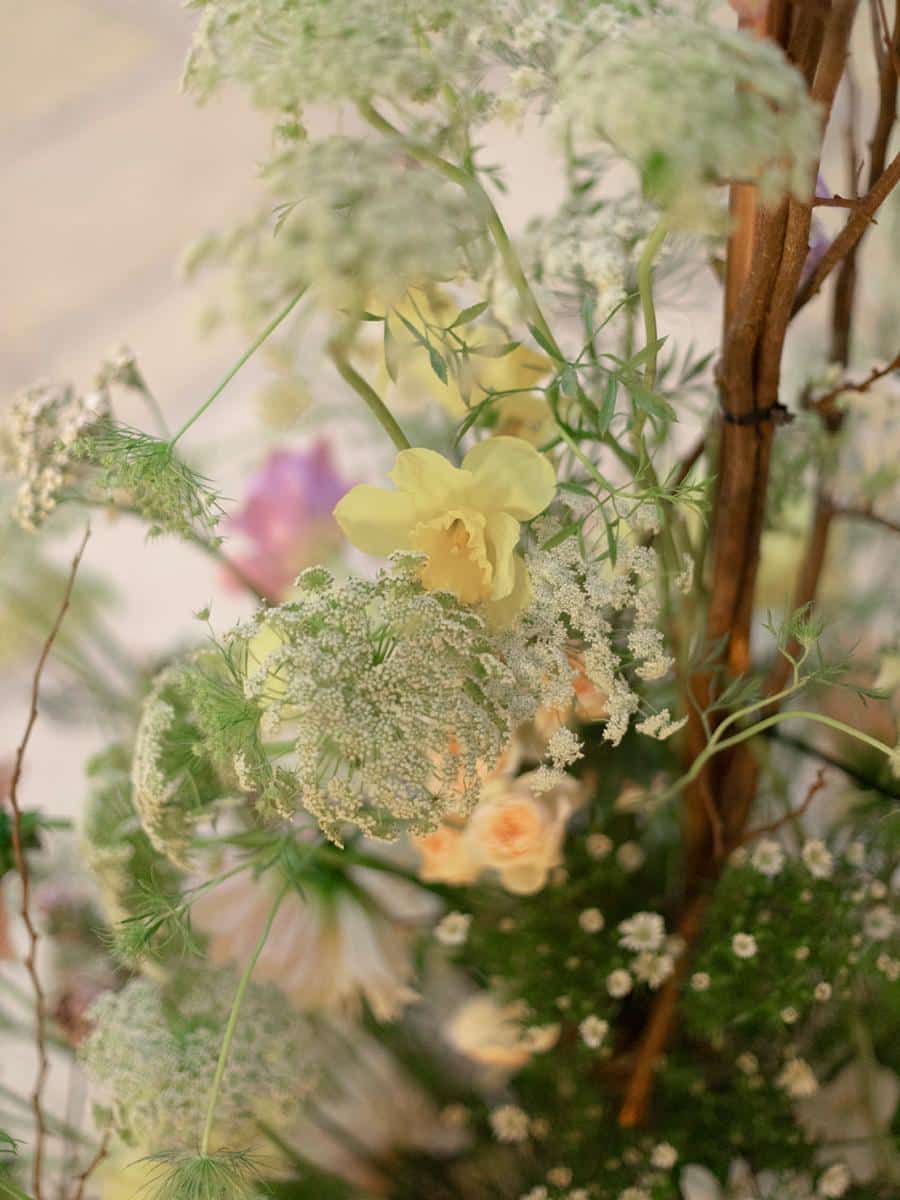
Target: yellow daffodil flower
(465,520)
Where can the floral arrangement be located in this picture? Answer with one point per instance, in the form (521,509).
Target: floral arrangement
(533,835)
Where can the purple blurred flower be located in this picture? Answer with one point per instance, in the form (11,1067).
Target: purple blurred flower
(819,241)
(286,519)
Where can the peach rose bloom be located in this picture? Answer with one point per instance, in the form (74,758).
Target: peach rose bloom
(445,856)
(519,834)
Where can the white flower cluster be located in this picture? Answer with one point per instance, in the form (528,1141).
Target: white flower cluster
(307,52)
(155,1059)
(645,935)
(163,788)
(692,105)
(361,221)
(573,606)
(39,442)
(595,249)
(534,39)
(395,699)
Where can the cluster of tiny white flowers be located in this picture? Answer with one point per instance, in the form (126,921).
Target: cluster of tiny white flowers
(797,1079)
(510,1123)
(744,945)
(767,857)
(739,110)
(818,859)
(395,700)
(39,444)
(576,249)
(644,931)
(593,1030)
(453,929)
(307,52)
(573,605)
(645,935)
(162,797)
(364,222)
(153,1059)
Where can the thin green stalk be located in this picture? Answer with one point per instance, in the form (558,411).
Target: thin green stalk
(794,714)
(375,404)
(248,353)
(472,185)
(645,290)
(233,1020)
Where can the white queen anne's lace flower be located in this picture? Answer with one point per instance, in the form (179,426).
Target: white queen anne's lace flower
(154,1058)
(39,444)
(690,104)
(394,698)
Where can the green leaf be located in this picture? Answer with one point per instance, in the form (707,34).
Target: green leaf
(545,345)
(390,351)
(489,351)
(438,364)
(651,402)
(608,408)
(469,314)
(638,360)
(412,329)
(8,1145)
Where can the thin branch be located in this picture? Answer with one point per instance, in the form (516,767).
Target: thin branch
(857,224)
(836,201)
(21,862)
(81,1180)
(865,514)
(859,385)
(794,815)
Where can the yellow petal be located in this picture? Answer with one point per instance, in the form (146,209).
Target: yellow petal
(502,614)
(511,476)
(430,480)
(502,537)
(376,520)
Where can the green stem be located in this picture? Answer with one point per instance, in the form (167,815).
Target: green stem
(645,290)
(506,250)
(794,714)
(248,353)
(364,389)
(233,1020)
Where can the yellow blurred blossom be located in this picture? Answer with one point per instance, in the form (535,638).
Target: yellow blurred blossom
(416,381)
(464,520)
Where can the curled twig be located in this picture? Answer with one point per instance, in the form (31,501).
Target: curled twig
(81,1180)
(40,1010)
(794,815)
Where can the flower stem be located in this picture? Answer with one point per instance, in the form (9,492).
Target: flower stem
(374,402)
(248,353)
(645,290)
(233,1020)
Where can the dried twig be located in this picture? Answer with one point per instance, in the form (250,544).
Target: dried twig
(865,513)
(24,875)
(81,1180)
(846,240)
(859,385)
(794,815)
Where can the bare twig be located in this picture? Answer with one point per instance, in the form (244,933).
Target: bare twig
(836,201)
(794,815)
(846,240)
(865,514)
(859,385)
(81,1180)
(22,868)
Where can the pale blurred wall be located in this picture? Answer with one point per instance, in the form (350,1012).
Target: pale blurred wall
(108,172)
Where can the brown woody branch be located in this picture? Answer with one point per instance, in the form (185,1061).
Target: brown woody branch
(773,826)
(82,1179)
(821,403)
(856,226)
(22,868)
(767,253)
(865,514)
